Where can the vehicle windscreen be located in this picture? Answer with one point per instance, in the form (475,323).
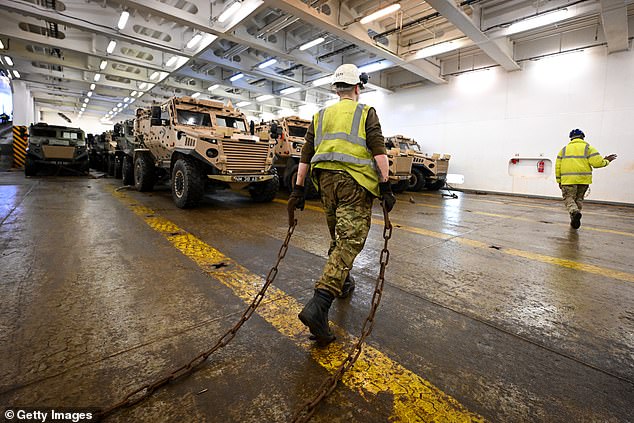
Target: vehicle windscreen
(231,122)
(129,130)
(297,131)
(406,146)
(43,132)
(186,117)
(72,135)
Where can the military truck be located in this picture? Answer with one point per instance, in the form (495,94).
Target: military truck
(97,151)
(51,145)
(122,154)
(192,142)
(400,169)
(428,171)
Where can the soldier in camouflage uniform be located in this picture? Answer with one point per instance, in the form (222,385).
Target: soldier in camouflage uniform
(344,146)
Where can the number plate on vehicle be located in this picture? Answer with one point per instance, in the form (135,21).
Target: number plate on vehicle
(245,178)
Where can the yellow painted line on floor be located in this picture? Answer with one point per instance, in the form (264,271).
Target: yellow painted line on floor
(570,264)
(374,373)
(525,219)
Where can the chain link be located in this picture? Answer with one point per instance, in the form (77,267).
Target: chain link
(145,391)
(308,409)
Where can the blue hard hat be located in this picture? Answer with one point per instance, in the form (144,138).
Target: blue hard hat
(577,133)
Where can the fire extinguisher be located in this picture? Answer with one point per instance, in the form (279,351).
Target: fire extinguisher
(540,166)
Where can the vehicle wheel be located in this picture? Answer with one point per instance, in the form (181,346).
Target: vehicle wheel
(400,186)
(30,168)
(416,181)
(144,173)
(111,164)
(127,171)
(264,192)
(436,185)
(188,183)
(118,165)
(84,167)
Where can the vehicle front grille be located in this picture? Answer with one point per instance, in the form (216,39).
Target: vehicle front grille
(244,156)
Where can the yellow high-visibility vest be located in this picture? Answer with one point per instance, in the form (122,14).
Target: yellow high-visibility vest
(575,162)
(340,143)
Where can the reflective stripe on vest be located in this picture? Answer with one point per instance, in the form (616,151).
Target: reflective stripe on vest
(340,157)
(352,137)
(576,173)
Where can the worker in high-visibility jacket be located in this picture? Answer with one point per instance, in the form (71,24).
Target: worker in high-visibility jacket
(573,172)
(345,153)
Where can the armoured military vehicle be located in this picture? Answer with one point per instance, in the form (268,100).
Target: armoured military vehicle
(400,169)
(112,154)
(97,151)
(428,170)
(288,134)
(126,143)
(51,145)
(193,141)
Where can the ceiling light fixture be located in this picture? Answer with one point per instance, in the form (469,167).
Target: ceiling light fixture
(243,103)
(435,49)
(237,76)
(533,22)
(125,100)
(143,85)
(171,61)
(213,87)
(264,97)
(92,87)
(230,11)
(268,63)
(97,77)
(123,19)
(111,45)
(8,60)
(89,94)
(1,45)
(380,13)
(133,93)
(290,90)
(195,40)
(313,43)
(374,67)
(86,100)
(322,81)
(195,95)
(119,104)
(154,76)
(103,64)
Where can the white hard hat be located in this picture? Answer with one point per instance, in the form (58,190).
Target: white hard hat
(347,74)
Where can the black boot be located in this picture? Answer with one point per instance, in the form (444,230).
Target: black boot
(575,219)
(348,286)
(315,316)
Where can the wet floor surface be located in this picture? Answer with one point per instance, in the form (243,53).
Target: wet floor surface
(493,307)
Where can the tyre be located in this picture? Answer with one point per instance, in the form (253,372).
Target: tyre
(110,164)
(118,165)
(30,167)
(188,183)
(400,186)
(311,191)
(436,185)
(84,167)
(264,192)
(127,171)
(144,173)
(416,181)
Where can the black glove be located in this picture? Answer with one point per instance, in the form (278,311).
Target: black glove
(387,196)
(296,200)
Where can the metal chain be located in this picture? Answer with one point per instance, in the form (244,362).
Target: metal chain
(145,391)
(308,409)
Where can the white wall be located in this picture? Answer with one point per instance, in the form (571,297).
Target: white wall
(87,124)
(23,109)
(486,117)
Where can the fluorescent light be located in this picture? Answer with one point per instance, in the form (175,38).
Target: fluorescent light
(119,104)
(380,13)
(143,85)
(133,93)
(236,77)
(537,21)
(123,19)
(290,90)
(92,87)
(125,100)
(195,40)
(376,66)
(103,64)
(243,103)
(125,106)
(1,45)
(213,87)
(436,49)
(229,11)
(171,61)
(89,94)
(313,43)
(264,97)
(86,100)
(10,76)
(111,45)
(8,60)
(140,94)
(154,75)
(267,63)
(322,81)
(97,77)
(195,95)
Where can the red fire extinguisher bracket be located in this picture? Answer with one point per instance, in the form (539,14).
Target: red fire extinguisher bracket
(540,166)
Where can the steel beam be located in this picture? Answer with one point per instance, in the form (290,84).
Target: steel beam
(614,21)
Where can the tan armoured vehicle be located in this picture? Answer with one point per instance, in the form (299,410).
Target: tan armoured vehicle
(400,169)
(126,144)
(428,170)
(192,142)
(51,145)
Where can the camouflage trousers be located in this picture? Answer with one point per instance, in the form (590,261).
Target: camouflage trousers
(348,208)
(573,196)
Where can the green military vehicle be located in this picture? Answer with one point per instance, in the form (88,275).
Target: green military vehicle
(126,143)
(51,145)
(428,170)
(195,142)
